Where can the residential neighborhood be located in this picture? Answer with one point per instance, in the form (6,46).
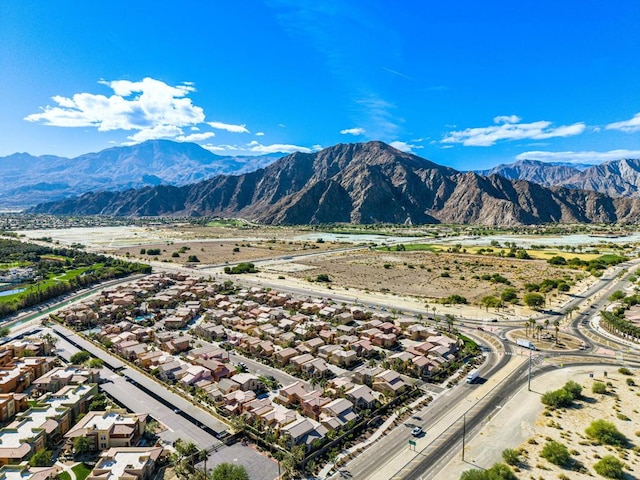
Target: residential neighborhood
(341,361)
(47,406)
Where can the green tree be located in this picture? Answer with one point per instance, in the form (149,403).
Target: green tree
(95,363)
(490,302)
(81,445)
(509,295)
(609,467)
(533,300)
(183,459)
(99,402)
(229,471)
(42,458)
(4,331)
(79,358)
(557,453)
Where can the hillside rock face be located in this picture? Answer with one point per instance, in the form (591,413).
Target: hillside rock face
(27,180)
(542,173)
(620,178)
(360,183)
(617,178)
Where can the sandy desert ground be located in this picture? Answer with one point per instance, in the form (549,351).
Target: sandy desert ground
(522,423)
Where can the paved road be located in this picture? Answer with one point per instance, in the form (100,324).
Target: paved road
(146,396)
(393,442)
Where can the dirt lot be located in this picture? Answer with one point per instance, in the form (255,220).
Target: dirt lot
(424,274)
(568,427)
(225,250)
(522,420)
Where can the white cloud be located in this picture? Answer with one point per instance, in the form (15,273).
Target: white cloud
(276,148)
(256,148)
(229,127)
(195,137)
(488,136)
(579,157)
(353,131)
(147,104)
(404,146)
(150,108)
(506,119)
(628,126)
(153,133)
(259,134)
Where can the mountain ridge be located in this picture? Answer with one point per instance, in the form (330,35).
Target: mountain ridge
(616,178)
(27,179)
(360,183)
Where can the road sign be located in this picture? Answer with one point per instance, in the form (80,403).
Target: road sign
(412,443)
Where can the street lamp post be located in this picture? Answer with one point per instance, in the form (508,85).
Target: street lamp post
(529,376)
(464,433)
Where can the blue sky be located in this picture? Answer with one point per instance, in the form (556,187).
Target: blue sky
(467,84)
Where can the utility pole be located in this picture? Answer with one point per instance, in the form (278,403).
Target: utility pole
(529,377)
(464,433)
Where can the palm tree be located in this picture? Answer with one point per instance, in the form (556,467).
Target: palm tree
(49,341)
(539,329)
(556,324)
(449,319)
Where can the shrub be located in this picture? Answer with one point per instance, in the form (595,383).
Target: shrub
(511,456)
(625,371)
(241,268)
(454,300)
(558,398)
(509,295)
(599,388)
(499,471)
(574,389)
(193,259)
(556,453)
(557,260)
(609,467)
(630,382)
(323,277)
(606,433)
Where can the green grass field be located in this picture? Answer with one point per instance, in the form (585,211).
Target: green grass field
(81,470)
(51,280)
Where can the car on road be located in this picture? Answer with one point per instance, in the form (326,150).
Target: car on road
(177,410)
(416,432)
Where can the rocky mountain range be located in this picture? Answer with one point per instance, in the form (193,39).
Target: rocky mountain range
(617,178)
(360,183)
(27,180)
